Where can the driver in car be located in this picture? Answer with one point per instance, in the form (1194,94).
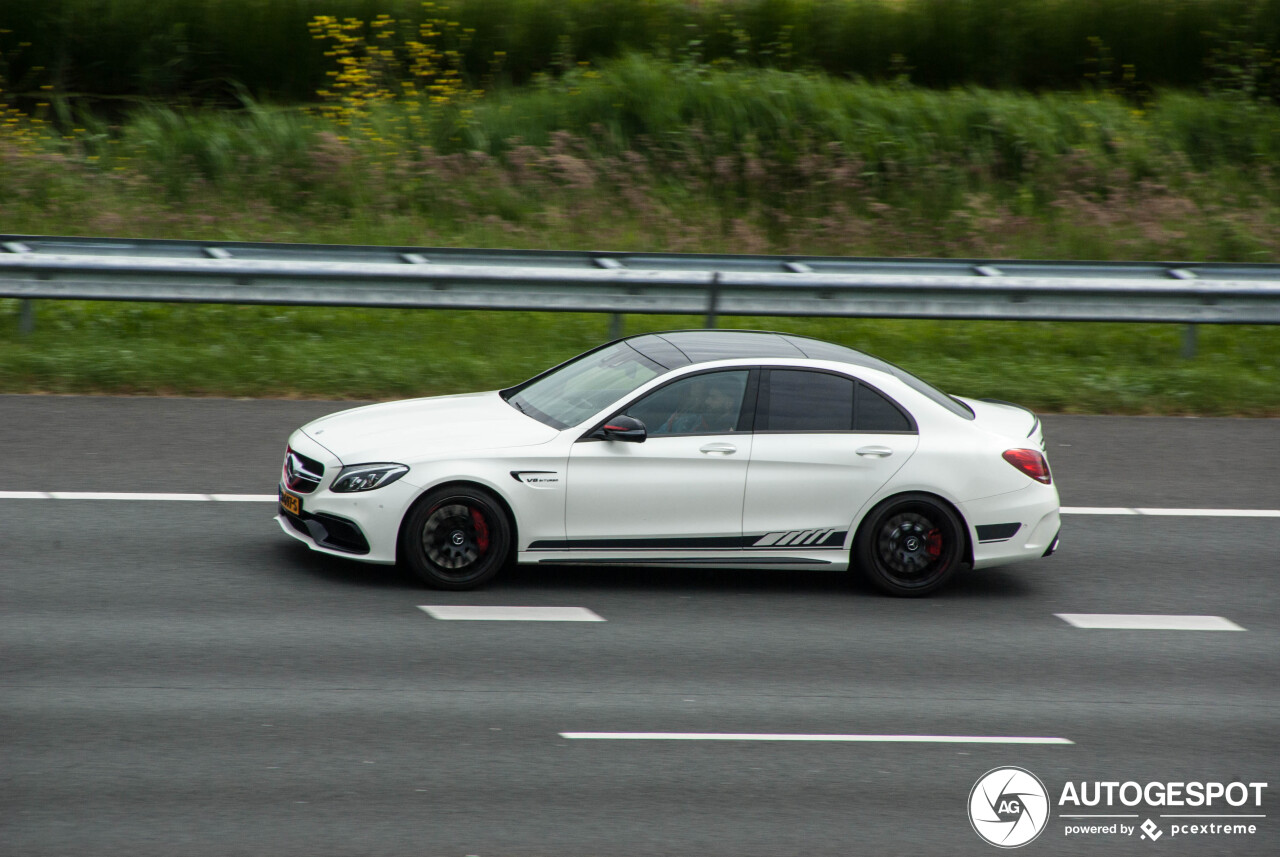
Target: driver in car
(705,408)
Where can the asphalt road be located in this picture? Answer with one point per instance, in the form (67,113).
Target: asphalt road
(183,679)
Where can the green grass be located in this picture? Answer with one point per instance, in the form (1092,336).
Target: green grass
(82,347)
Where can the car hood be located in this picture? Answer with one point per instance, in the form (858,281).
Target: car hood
(417,429)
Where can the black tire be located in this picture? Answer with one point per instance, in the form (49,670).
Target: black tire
(456,538)
(910,545)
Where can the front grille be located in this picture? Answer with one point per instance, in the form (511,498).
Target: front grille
(301,474)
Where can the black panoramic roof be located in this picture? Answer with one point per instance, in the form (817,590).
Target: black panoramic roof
(675,349)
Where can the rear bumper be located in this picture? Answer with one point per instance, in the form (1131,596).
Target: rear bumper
(1012,527)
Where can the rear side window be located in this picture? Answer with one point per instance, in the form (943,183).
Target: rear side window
(876,413)
(796,400)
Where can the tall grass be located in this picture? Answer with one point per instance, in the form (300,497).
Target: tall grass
(784,113)
(643,154)
(194,48)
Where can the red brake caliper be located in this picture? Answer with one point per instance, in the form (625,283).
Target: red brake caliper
(482,530)
(933,544)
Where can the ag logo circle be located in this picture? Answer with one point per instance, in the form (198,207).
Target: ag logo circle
(1008,807)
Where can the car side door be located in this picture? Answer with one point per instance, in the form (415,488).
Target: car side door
(680,489)
(824,444)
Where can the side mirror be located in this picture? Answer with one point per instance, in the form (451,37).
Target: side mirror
(623,428)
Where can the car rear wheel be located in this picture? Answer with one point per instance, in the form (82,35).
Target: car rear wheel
(910,545)
(456,538)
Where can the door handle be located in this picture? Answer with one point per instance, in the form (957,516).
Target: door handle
(875,451)
(719,449)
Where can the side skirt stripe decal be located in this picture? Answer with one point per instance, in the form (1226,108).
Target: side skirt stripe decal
(808,538)
(722,561)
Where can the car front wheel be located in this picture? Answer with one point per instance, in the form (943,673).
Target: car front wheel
(456,538)
(910,545)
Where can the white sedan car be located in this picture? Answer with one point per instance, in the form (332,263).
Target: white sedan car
(692,448)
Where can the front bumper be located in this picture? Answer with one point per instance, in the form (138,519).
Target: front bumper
(364,525)
(325,531)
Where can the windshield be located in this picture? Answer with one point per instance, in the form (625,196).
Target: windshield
(582,388)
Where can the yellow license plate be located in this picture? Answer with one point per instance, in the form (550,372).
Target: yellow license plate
(290,503)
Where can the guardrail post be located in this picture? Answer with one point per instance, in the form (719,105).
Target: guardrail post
(713,298)
(1190,332)
(27,309)
(615,326)
(27,317)
(1190,335)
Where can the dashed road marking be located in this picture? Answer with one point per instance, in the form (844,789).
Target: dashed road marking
(769,736)
(1148,622)
(138,495)
(453,612)
(1175,513)
(120,495)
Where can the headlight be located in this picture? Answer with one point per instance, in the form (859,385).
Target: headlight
(366,477)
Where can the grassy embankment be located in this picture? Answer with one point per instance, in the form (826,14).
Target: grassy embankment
(643,154)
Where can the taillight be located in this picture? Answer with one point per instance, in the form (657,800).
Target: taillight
(1030,462)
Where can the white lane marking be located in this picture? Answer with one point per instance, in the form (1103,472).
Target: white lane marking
(1148,622)
(1096,510)
(1179,513)
(766,736)
(138,495)
(116,495)
(1213,513)
(509,614)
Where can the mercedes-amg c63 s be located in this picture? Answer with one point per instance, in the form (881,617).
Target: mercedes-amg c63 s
(692,448)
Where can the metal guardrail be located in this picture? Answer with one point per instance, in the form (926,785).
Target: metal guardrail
(36,267)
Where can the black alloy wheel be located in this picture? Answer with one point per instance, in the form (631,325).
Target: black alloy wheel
(910,545)
(456,538)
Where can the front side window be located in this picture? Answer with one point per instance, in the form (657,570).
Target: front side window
(709,403)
